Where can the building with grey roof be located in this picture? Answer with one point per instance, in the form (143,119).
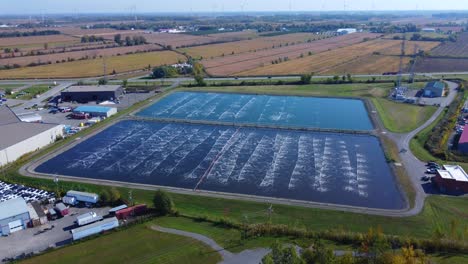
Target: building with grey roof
(14,216)
(89,93)
(18,138)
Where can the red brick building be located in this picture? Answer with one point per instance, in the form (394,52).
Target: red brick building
(452,179)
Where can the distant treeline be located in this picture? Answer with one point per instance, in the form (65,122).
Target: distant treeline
(28,34)
(92,38)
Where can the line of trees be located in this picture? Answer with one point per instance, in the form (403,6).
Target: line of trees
(15,34)
(129,41)
(92,38)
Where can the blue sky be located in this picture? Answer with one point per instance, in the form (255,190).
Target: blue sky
(119,6)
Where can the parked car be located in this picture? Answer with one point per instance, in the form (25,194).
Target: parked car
(431,171)
(65,109)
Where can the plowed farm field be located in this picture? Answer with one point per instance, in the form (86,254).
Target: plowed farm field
(254,45)
(453,49)
(17,42)
(94,67)
(230,65)
(94,53)
(442,65)
(357,58)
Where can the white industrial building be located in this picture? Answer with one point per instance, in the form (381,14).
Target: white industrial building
(344,31)
(14,216)
(18,138)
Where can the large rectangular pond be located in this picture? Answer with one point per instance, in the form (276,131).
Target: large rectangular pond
(291,111)
(321,167)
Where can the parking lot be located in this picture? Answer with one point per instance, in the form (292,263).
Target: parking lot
(35,240)
(12,191)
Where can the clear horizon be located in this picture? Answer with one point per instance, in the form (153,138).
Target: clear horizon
(212,6)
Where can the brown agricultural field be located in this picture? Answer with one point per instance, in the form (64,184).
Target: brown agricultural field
(77,31)
(185,40)
(76,55)
(409,50)
(369,64)
(453,49)
(21,41)
(337,61)
(94,67)
(441,65)
(261,43)
(228,65)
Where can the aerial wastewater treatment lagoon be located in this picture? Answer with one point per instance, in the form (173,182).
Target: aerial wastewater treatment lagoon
(336,168)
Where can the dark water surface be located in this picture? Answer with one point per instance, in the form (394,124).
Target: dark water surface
(321,167)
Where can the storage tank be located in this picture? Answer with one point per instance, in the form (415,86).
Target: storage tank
(96,228)
(88,218)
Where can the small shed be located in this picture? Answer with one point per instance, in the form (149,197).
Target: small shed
(434,89)
(62,209)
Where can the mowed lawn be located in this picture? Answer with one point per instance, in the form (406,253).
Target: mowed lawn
(94,67)
(336,90)
(138,244)
(32,91)
(402,118)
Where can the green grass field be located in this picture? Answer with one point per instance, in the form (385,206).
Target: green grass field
(32,91)
(402,118)
(138,244)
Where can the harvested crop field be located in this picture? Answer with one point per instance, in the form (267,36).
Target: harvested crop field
(76,31)
(9,42)
(410,45)
(257,44)
(94,67)
(453,49)
(369,64)
(335,61)
(441,65)
(229,65)
(185,40)
(76,55)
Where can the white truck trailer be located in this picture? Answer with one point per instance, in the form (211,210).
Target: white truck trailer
(88,218)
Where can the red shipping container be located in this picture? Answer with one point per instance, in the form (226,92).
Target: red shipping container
(131,211)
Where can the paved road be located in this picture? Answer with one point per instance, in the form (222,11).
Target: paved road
(246,257)
(51,92)
(414,167)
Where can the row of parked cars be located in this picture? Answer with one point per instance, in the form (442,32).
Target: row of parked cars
(432,168)
(11,191)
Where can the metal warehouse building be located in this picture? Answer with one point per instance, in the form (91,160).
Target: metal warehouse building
(96,111)
(92,93)
(14,216)
(18,138)
(434,89)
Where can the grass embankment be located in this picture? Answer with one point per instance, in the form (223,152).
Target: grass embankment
(94,67)
(4,87)
(402,118)
(138,244)
(31,92)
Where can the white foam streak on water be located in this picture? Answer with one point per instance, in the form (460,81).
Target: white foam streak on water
(245,109)
(261,150)
(302,167)
(321,176)
(141,153)
(268,104)
(166,149)
(283,142)
(229,114)
(184,109)
(167,109)
(224,166)
(215,149)
(197,140)
(90,158)
(208,100)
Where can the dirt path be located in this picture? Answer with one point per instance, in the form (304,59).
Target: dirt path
(253,256)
